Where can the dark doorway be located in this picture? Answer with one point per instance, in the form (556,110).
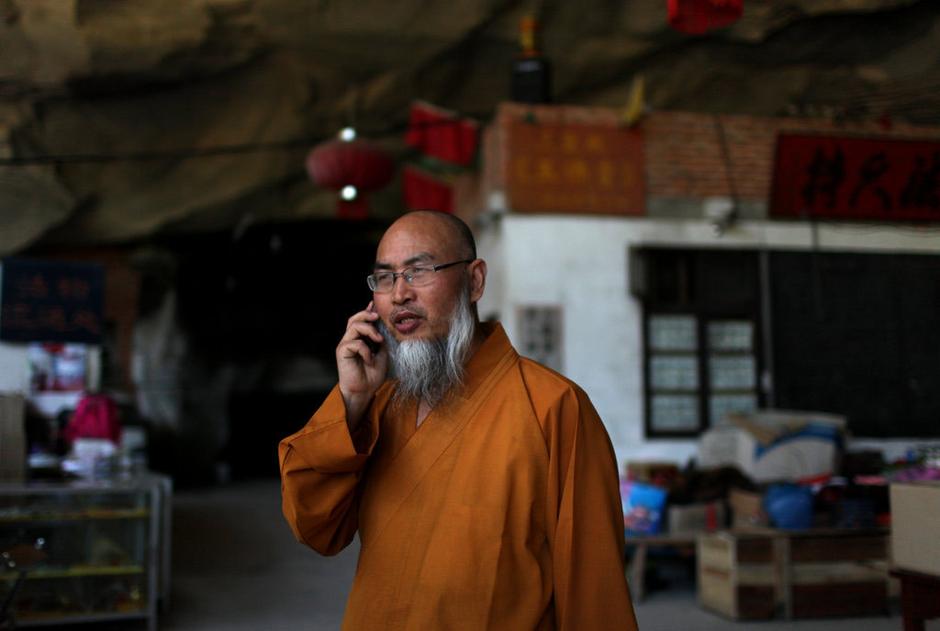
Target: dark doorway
(262,313)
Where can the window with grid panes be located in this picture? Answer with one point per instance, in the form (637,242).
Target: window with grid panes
(701,353)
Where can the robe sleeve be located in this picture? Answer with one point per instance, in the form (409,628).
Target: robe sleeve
(321,467)
(588,539)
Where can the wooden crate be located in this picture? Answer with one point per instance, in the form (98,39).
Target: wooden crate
(796,574)
(738,575)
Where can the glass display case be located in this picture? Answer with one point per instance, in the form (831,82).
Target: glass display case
(95,550)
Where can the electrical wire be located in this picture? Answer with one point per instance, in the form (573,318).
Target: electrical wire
(208,152)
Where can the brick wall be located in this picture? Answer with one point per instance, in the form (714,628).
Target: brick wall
(684,155)
(684,159)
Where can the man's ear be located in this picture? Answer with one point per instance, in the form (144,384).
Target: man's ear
(477,279)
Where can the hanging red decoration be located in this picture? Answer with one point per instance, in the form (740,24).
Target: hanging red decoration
(698,16)
(423,191)
(338,164)
(442,134)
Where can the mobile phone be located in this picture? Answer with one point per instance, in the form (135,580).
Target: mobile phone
(372,344)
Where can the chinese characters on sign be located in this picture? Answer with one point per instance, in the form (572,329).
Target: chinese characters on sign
(575,168)
(856,178)
(51,301)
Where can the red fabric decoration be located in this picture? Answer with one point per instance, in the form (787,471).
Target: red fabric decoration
(442,134)
(698,16)
(422,191)
(338,163)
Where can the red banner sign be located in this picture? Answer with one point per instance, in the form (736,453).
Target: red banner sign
(856,178)
(575,168)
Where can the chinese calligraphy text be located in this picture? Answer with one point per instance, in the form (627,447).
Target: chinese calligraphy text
(575,168)
(51,301)
(856,178)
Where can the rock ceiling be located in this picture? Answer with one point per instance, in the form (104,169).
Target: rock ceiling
(103,103)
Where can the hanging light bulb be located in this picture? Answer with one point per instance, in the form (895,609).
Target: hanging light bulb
(348,193)
(346,134)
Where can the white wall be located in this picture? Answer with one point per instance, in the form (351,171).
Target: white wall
(581,264)
(14,368)
(14,362)
(490,248)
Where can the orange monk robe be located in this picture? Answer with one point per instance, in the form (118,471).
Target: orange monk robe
(500,512)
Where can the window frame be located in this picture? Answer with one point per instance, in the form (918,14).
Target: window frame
(703,312)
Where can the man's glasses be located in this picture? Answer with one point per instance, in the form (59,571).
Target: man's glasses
(383,282)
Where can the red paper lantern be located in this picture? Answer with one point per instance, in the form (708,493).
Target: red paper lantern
(698,16)
(337,164)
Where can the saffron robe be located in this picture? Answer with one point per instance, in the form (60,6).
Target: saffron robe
(501,511)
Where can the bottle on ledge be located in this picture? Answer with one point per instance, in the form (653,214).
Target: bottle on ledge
(531,71)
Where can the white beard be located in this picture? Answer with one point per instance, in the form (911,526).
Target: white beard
(431,370)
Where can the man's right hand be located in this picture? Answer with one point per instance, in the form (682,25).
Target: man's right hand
(361,371)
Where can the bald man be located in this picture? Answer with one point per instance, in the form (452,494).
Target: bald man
(483,485)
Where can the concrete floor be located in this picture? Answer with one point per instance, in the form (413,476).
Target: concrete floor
(236,567)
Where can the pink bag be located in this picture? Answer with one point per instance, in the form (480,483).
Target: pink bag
(95,417)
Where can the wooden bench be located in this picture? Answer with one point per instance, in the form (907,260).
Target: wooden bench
(636,569)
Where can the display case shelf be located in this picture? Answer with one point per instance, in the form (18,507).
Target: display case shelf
(104,552)
(77,571)
(78,618)
(64,517)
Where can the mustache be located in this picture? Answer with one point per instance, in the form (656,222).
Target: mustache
(406,309)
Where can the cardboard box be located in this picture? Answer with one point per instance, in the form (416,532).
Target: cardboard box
(808,574)
(695,518)
(915,526)
(12,438)
(747,510)
(654,472)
